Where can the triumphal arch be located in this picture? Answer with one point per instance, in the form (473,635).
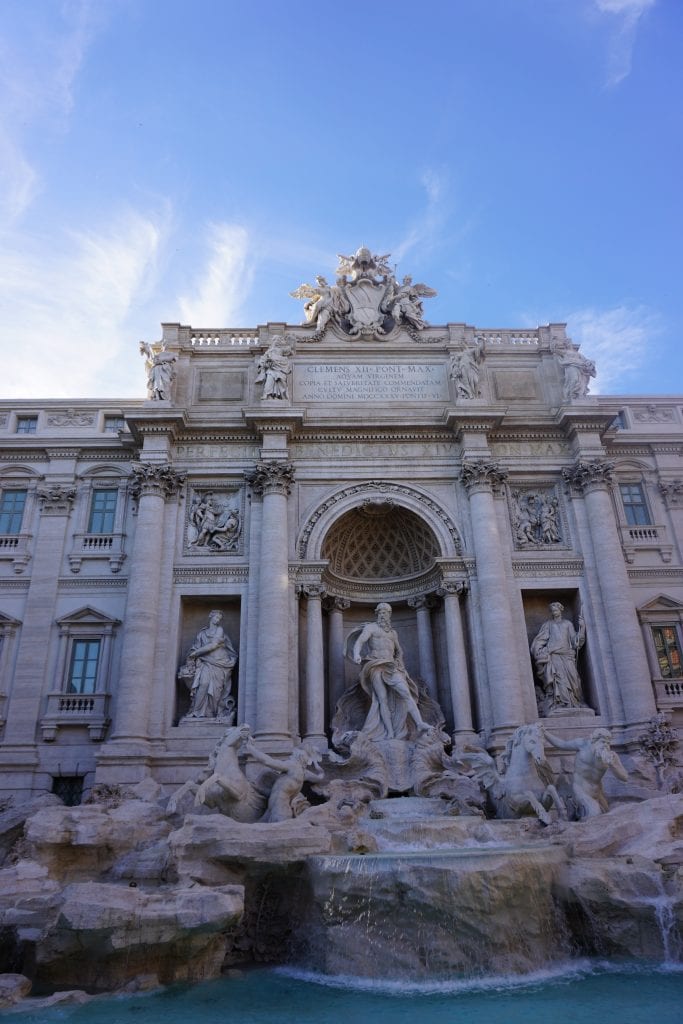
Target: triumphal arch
(225,550)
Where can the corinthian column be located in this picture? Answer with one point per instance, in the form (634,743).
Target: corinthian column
(152,485)
(592,479)
(504,675)
(335,653)
(425,643)
(457,659)
(314,724)
(273,481)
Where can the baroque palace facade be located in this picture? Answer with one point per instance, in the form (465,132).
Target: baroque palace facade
(290,478)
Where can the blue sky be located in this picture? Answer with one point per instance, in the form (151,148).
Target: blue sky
(195,162)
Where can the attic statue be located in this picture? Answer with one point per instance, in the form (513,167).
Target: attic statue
(160,367)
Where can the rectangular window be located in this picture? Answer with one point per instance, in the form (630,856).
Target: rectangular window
(27,424)
(668,651)
(635,506)
(85,655)
(102,511)
(12,511)
(112,424)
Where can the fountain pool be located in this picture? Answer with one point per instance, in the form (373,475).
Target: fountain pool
(586,992)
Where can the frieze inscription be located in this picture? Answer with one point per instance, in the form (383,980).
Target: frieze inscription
(365,382)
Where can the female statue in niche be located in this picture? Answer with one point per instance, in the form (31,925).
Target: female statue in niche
(555,649)
(208,670)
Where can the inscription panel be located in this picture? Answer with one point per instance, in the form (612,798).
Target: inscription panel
(367,382)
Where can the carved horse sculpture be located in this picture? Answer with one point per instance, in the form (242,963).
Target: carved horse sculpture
(525,787)
(227,789)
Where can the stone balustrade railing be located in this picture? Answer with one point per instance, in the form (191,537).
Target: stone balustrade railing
(224,338)
(516,338)
(72,709)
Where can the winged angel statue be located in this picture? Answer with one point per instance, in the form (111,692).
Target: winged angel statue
(366,299)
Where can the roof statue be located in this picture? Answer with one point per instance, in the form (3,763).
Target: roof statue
(366,300)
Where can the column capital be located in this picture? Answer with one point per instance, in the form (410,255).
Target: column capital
(589,474)
(672,492)
(421,601)
(271,478)
(155,478)
(56,500)
(457,587)
(336,604)
(482,475)
(313,591)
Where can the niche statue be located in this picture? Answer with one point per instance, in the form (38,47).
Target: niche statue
(555,649)
(393,694)
(207,671)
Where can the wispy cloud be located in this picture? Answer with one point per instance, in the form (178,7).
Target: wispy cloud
(425,230)
(620,341)
(36,85)
(627,14)
(65,308)
(223,284)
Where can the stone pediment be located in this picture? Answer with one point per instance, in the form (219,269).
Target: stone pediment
(87,616)
(661,604)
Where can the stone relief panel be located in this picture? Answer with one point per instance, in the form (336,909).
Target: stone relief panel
(536,518)
(214,520)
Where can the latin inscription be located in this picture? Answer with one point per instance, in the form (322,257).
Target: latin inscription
(370,382)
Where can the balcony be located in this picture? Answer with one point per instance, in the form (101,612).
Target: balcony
(635,539)
(69,709)
(669,694)
(107,546)
(14,547)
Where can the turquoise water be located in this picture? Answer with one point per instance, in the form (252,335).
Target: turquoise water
(582,994)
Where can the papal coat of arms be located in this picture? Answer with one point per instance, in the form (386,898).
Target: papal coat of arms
(366,299)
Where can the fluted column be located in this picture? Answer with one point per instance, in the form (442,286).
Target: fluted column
(425,642)
(152,485)
(273,480)
(504,676)
(55,504)
(457,660)
(335,653)
(246,698)
(592,479)
(314,703)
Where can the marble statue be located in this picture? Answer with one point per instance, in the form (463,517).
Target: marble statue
(465,370)
(577,373)
(208,670)
(274,367)
(323,301)
(555,649)
(404,303)
(525,786)
(226,788)
(160,367)
(285,800)
(213,523)
(393,713)
(366,301)
(436,775)
(594,757)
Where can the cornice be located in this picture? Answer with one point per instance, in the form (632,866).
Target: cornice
(646,575)
(217,574)
(93,583)
(547,566)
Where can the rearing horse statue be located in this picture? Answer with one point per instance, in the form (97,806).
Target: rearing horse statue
(525,787)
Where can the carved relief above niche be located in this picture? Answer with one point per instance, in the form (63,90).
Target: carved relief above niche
(536,518)
(213,520)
